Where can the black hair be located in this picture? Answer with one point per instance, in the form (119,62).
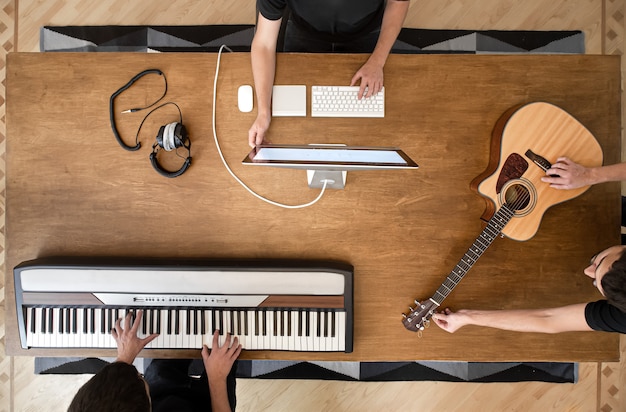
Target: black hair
(117,387)
(614,283)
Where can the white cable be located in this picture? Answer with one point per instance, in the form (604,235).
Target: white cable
(219,150)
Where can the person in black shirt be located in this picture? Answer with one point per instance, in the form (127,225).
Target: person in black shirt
(355,26)
(119,387)
(608,271)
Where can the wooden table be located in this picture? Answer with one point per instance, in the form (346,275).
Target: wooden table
(71,190)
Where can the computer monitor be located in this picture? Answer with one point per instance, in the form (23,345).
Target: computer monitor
(326,162)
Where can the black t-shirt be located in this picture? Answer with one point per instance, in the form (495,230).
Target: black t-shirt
(341,19)
(603,316)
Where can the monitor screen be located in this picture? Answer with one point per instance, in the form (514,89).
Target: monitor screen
(329,157)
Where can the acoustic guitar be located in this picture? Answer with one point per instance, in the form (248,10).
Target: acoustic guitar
(525,140)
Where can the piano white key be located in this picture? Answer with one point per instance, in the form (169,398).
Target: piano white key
(277,332)
(30,326)
(209,327)
(341,329)
(294,341)
(76,328)
(314,340)
(83,328)
(322,330)
(248,338)
(63,324)
(268,332)
(332,332)
(286,337)
(196,333)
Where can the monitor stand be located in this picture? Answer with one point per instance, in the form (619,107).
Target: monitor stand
(336,178)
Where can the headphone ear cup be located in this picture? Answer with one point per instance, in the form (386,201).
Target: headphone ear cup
(180,135)
(159,137)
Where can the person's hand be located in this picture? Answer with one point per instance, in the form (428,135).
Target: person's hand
(256,134)
(448,320)
(371,77)
(128,344)
(219,361)
(567,174)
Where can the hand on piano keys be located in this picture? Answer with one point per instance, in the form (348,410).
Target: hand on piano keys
(128,343)
(256,329)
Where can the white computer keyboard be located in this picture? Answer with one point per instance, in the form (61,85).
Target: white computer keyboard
(342,101)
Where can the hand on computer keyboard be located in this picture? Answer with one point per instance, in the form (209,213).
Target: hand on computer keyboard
(371,76)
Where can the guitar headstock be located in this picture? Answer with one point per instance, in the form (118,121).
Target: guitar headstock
(419,316)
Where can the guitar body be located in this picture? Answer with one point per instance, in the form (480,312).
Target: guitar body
(548,132)
(525,142)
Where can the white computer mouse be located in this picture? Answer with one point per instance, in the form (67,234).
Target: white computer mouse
(245,100)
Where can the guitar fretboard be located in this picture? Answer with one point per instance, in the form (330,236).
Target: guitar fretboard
(482,242)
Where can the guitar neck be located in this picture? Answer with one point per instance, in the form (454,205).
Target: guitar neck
(483,241)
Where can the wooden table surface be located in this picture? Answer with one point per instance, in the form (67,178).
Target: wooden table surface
(71,189)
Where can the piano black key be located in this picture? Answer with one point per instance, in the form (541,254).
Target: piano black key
(158,322)
(50,320)
(61,316)
(110,321)
(318,331)
(176,322)
(300,321)
(143,327)
(170,314)
(333,325)
(103,314)
(220,322)
(150,321)
(264,312)
(214,320)
(231,325)
(74,321)
(68,320)
(203,322)
(289,323)
(196,320)
(307,328)
(33,320)
(43,320)
(235,322)
(92,315)
(85,320)
(188,323)
(257,322)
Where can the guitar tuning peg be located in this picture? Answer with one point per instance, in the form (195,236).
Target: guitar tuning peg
(426,323)
(419,333)
(411,309)
(404,316)
(417,302)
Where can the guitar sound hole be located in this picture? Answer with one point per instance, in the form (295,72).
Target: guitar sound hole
(517,197)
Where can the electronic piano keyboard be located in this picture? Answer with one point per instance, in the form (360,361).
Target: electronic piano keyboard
(268,305)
